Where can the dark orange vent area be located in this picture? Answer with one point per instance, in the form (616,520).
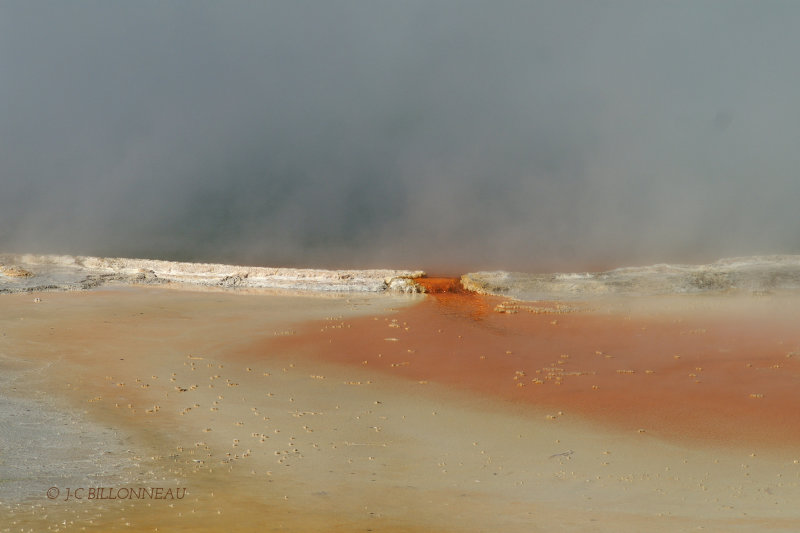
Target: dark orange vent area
(441,285)
(453,299)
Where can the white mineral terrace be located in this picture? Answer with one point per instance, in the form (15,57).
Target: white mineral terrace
(27,272)
(751,274)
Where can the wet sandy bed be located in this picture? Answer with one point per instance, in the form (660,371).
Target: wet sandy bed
(388,413)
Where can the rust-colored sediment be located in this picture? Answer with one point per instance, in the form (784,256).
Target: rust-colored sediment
(453,299)
(718,376)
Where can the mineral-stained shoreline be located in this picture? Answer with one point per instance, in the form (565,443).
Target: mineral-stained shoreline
(753,274)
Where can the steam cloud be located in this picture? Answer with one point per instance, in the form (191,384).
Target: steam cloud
(446,134)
